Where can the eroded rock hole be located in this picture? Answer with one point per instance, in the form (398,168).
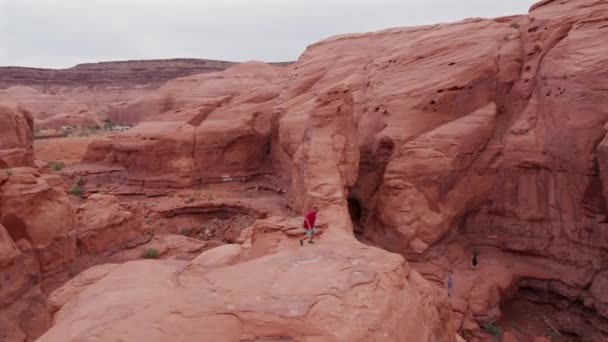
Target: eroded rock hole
(551,315)
(16,228)
(217,226)
(355,211)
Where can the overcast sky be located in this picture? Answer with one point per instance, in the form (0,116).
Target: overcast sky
(62,33)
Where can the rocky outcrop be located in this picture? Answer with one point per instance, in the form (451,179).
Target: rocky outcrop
(293,293)
(88,95)
(74,286)
(106,226)
(286,296)
(123,74)
(84,95)
(23,310)
(326,163)
(482,135)
(16,137)
(36,211)
(224,138)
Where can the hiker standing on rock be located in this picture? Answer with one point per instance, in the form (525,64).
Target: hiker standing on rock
(450,285)
(309,225)
(474,262)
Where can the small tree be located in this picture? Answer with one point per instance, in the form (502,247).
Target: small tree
(58,166)
(77,191)
(150,253)
(493,330)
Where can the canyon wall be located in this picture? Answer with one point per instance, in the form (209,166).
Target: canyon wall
(480,138)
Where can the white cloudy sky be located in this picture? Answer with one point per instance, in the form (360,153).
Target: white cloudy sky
(62,33)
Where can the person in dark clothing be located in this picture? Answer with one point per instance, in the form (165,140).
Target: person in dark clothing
(309,225)
(450,285)
(475,261)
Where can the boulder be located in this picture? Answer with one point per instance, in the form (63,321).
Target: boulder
(23,308)
(36,208)
(16,137)
(106,226)
(305,294)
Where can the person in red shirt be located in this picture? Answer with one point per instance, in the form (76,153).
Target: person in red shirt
(309,226)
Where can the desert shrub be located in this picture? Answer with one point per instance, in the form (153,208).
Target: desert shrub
(493,330)
(58,166)
(185,231)
(77,191)
(150,253)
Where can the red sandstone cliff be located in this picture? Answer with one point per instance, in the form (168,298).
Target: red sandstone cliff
(483,136)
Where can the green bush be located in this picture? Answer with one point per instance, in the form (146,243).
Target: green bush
(493,329)
(77,191)
(185,231)
(150,253)
(58,166)
(9,172)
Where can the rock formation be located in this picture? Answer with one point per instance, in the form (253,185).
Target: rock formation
(480,138)
(83,95)
(285,297)
(123,74)
(23,311)
(16,136)
(226,137)
(299,295)
(476,136)
(106,225)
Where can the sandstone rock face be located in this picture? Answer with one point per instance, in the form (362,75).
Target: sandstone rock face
(109,74)
(225,137)
(285,296)
(85,94)
(167,246)
(72,288)
(292,293)
(16,137)
(483,137)
(35,217)
(325,165)
(88,94)
(219,256)
(36,208)
(478,135)
(105,225)
(23,311)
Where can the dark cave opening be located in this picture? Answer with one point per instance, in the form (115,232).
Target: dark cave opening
(355,211)
(536,311)
(15,228)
